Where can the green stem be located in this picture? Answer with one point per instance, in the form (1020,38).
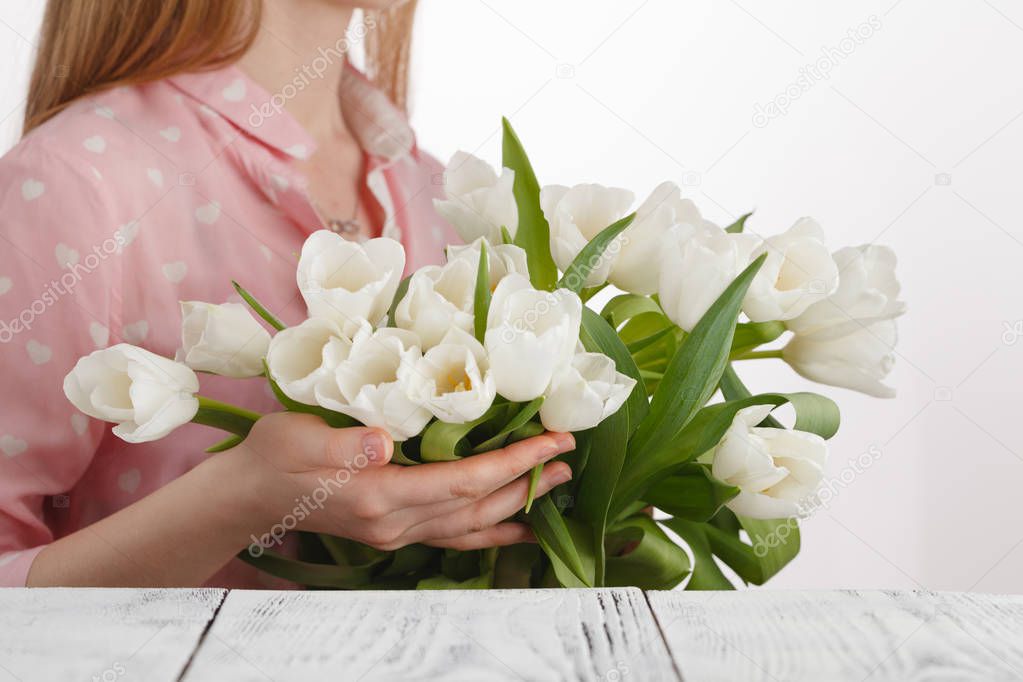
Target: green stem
(587,294)
(226,417)
(760,354)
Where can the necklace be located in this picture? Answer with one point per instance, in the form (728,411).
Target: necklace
(349,228)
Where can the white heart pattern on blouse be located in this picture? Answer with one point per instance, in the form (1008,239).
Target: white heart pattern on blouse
(208,213)
(65,255)
(79,423)
(32,189)
(129,480)
(12,446)
(100,334)
(95,144)
(171,134)
(38,353)
(235,92)
(175,272)
(136,332)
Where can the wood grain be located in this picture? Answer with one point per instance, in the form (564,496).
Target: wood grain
(450,635)
(842,635)
(105,634)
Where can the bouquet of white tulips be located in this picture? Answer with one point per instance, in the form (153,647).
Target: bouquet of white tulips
(678,470)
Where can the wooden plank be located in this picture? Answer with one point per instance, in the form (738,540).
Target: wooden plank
(430,635)
(842,635)
(106,634)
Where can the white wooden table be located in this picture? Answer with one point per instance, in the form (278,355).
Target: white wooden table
(613,635)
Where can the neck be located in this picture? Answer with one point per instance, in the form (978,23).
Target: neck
(298,57)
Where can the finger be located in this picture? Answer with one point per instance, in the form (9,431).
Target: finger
(496,536)
(315,445)
(473,478)
(489,511)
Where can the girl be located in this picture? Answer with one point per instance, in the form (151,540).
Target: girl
(171,146)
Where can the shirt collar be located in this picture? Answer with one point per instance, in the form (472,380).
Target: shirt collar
(381,129)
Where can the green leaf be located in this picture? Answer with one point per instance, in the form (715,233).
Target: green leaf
(651,560)
(398,295)
(566,542)
(590,256)
(598,336)
(706,574)
(534,481)
(692,493)
(225,417)
(225,444)
(739,224)
(332,419)
(443,442)
(533,233)
(608,448)
(481,300)
(773,544)
(310,574)
(399,456)
(515,566)
(814,413)
(520,417)
(442,582)
(624,307)
(693,374)
(506,236)
(749,335)
(647,341)
(258,307)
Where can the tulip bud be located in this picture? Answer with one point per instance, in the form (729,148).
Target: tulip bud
(223,339)
(146,395)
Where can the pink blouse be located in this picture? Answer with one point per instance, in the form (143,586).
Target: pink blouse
(117,209)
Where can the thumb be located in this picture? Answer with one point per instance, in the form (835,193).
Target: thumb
(356,448)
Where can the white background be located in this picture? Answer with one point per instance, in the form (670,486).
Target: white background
(913,140)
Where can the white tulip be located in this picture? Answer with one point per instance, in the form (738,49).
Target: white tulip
(300,357)
(867,292)
(697,266)
(576,215)
(776,470)
(859,360)
(478,202)
(637,266)
(146,395)
(452,380)
(798,272)
(530,335)
(503,259)
(438,299)
(347,281)
(583,394)
(224,339)
(366,386)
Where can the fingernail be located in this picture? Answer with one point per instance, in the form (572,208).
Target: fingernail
(565,441)
(561,476)
(374,446)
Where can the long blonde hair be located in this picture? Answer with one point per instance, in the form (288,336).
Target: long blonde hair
(87,46)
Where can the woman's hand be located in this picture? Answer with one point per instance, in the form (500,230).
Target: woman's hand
(303,474)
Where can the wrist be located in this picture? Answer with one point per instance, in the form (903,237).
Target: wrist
(234,481)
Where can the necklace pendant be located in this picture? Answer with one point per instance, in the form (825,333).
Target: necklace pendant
(346,228)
